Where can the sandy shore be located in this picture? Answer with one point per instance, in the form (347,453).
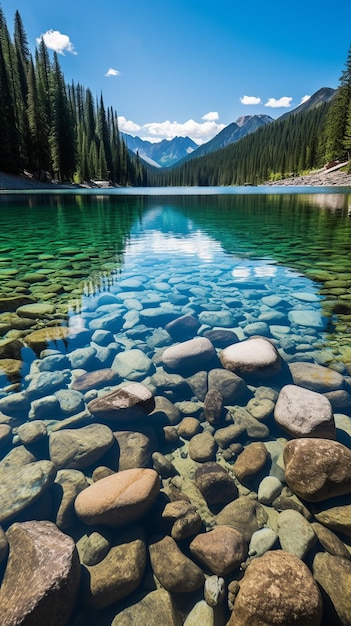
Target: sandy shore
(324,178)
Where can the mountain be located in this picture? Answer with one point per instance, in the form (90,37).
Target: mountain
(324,94)
(163,153)
(233,132)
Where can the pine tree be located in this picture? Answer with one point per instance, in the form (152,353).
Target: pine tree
(62,136)
(9,140)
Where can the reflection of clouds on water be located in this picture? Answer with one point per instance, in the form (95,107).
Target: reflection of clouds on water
(196,245)
(260,271)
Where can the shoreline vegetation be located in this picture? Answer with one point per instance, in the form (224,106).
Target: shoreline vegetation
(324,178)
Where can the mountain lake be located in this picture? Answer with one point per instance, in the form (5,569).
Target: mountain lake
(97,290)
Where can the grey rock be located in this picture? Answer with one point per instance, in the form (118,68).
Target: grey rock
(253,358)
(261,541)
(304,413)
(269,489)
(71,402)
(42,576)
(175,571)
(296,534)
(316,377)
(33,431)
(79,448)
(189,356)
(133,365)
(157,607)
(68,484)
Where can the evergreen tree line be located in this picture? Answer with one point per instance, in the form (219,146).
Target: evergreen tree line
(47,126)
(291,146)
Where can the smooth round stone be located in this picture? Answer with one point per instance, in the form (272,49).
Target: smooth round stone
(260,408)
(215,484)
(182,328)
(296,534)
(163,466)
(118,574)
(189,356)
(304,413)
(274,301)
(135,448)
(255,357)
(202,447)
(229,385)
(15,404)
(31,432)
(133,365)
(68,484)
(44,408)
(317,469)
(228,435)
(221,338)
(46,383)
(21,486)
(186,520)
(53,362)
(96,379)
(71,402)
(155,317)
(269,489)
(11,368)
(330,541)
(166,411)
(262,541)
(316,377)
(118,499)
(276,586)
(155,609)
(189,427)
(95,548)
(221,549)
(176,572)
(112,322)
(257,328)
(39,309)
(131,284)
(244,514)
(82,358)
(251,461)
(305,296)
(307,319)
(335,516)
(102,337)
(327,570)
(81,447)
(223,318)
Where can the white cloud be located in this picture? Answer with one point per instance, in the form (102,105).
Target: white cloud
(304,99)
(112,72)
(211,116)
(127,126)
(284,101)
(250,100)
(199,131)
(54,40)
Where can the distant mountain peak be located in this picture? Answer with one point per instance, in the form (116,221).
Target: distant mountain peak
(163,153)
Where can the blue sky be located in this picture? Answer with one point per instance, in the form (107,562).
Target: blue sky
(191,67)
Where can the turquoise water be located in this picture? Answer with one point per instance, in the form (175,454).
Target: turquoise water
(112,270)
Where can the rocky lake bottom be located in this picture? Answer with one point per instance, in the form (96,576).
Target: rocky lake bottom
(175,435)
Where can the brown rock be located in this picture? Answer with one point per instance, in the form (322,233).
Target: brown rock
(118,499)
(133,401)
(221,550)
(118,574)
(244,514)
(42,576)
(173,569)
(316,377)
(330,542)
(186,520)
(96,380)
(317,469)
(5,435)
(135,448)
(155,609)
(40,339)
(215,484)
(251,460)
(333,574)
(213,406)
(337,517)
(202,447)
(188,427)
(229,385)
(277,589)
(78,448)
(12,369)
(229,434)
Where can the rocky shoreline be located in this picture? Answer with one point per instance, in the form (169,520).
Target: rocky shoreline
(324,178)
(209,483)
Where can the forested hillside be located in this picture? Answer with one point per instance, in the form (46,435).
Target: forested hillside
(291,146)
(49,127)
